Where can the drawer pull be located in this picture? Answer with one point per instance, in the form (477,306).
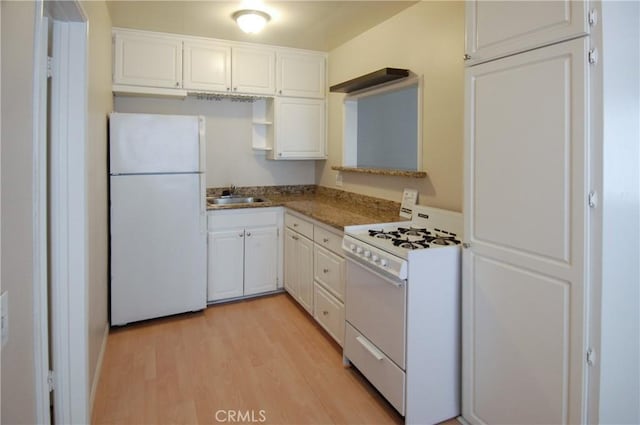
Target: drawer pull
(295,238)
(325,240)
(295,224)
(325,312)
(325,271)
(370,348)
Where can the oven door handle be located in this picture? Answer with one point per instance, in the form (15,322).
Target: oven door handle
(370,348)
(387,278)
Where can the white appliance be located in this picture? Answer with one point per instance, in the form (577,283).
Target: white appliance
(403,311)
(158,216)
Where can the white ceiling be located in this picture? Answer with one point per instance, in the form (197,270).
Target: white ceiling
(316,25)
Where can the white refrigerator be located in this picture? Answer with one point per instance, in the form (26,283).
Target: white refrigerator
(157,216)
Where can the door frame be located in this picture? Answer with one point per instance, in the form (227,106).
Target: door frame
(65,242)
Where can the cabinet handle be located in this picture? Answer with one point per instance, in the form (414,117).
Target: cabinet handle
(228,88)
(295,224)
(235,89)
(248,234)
(325,312)
(279,91)
(325,271)
(177,83)
(466,245)
(241,234)
(325,240)
(295,238)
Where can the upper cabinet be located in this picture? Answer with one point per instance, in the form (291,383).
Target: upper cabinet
(300,129)
(147,60)
(207,65)
(253,70)
(301,74)
(501,28)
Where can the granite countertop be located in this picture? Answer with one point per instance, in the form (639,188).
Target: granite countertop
(334,208)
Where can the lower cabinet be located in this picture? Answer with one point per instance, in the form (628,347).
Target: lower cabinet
(298,268)
(243,253)
(314,271)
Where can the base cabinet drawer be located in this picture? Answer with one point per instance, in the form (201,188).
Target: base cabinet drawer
(329,271)
(383,373)
(329,312)
(298,224)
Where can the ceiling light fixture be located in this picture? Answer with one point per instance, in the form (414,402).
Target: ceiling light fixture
(251,21)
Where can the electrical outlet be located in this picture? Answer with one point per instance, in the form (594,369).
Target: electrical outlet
(339,179)
(4,317)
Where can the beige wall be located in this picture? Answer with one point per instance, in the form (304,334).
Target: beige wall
(428,39)
(18,382)
(100,103)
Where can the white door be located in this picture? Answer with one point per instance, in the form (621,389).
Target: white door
(305,273)
(254,70)
(150,143)
(158,247)
(147,60)
(301,75)
(225,266)
(207,66)
(300,128)
(500,28)
(290,262)
(260,260)
(526,212)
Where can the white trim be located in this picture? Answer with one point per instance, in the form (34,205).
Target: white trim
(68,220)
(98,371)
(39,193)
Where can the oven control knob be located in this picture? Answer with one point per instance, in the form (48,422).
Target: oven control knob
(367,254)
(352,247)
(375,258)
(359,250)
(383,262)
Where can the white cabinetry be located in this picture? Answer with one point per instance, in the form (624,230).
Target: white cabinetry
(526,214)
(300,129)
(500,28)
(314,271)
(253,70)
(329,281)
(298,268)
(147,59)
(301,74)
(243,252)
(207,65)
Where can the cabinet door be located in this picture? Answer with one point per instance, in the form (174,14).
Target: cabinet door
(500,28)
(301,74)
(207,66)
(305,273)
(147,60)
(290,262)
(526,182)
(300,128)
(253,70)
(225,265)
(260,260)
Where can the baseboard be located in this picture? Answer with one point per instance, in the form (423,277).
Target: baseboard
(97,373)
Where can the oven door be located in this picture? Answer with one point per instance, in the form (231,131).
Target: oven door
(375,305)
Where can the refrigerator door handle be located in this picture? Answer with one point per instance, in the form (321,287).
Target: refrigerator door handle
(203,203)
(202,143)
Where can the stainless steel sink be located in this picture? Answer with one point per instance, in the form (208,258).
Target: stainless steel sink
(227,200)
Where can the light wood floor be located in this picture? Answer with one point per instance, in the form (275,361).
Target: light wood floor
(264,357)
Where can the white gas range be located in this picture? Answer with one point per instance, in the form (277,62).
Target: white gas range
(403,311)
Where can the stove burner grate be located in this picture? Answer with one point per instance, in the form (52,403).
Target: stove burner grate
(407,244)
(413,231)
(381,234)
